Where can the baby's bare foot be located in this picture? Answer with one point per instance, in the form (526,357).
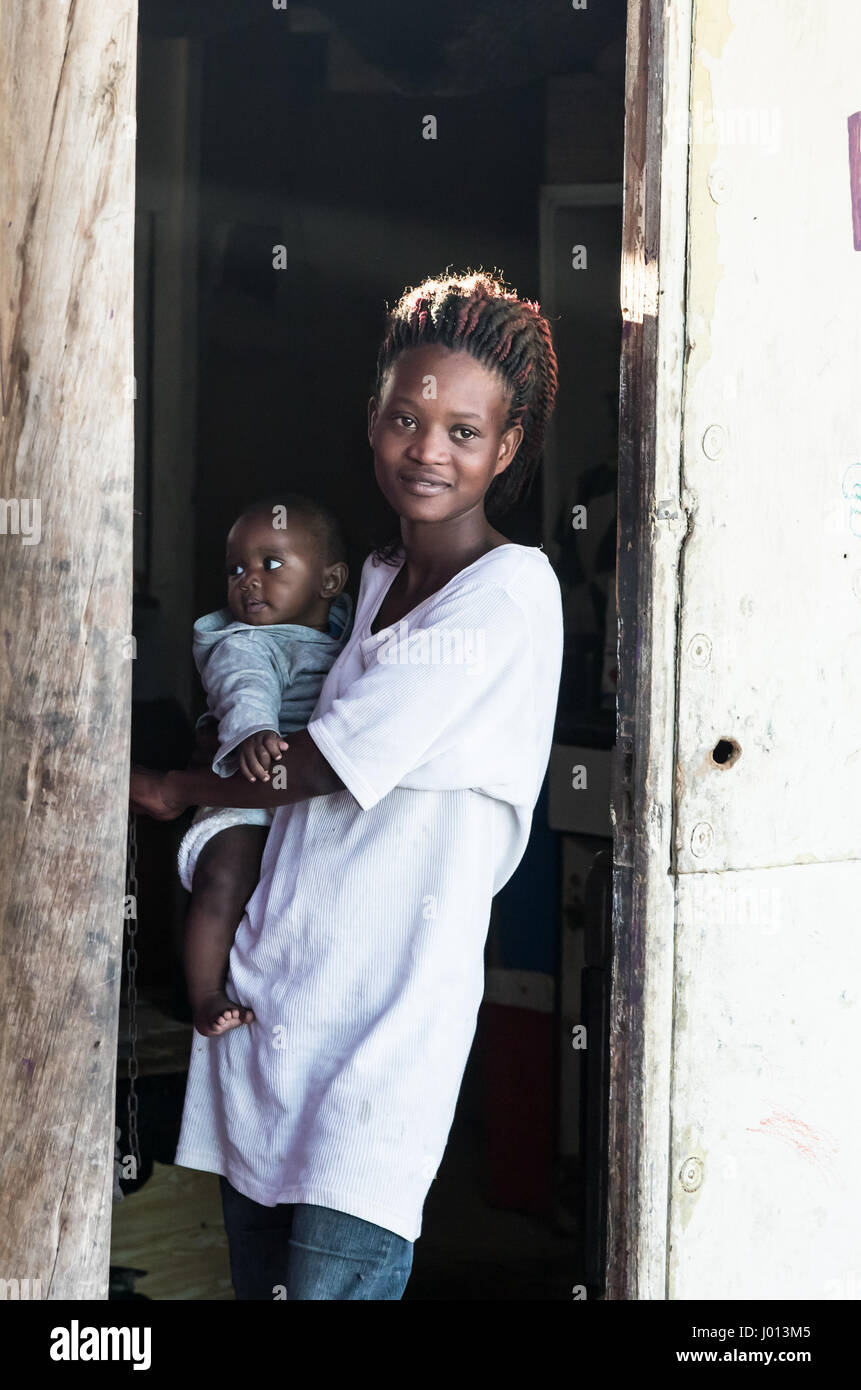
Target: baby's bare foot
(217,1014)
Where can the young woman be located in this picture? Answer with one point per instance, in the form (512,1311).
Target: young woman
(400,811)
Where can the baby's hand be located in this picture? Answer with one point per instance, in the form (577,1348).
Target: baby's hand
(258,752)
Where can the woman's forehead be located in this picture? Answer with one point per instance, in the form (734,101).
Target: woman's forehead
(452,371)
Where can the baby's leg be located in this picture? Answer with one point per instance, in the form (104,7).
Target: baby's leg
(225,876)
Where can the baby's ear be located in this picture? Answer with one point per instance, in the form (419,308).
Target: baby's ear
(335,579)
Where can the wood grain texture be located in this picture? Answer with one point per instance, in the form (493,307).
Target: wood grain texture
(636,465)
(67,90)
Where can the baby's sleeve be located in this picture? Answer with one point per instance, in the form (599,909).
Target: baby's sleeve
(244,678)
(453,688)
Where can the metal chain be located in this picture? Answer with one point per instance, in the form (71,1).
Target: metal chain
(131,978)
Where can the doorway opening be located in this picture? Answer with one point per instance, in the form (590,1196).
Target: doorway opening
(296,168)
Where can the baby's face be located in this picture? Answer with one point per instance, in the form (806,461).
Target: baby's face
(274,575)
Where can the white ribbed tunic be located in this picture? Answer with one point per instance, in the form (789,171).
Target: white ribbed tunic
(362,949)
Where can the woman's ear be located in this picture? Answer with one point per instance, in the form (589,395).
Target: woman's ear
(508,446)
(373,412)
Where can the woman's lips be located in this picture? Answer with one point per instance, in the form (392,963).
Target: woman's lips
(422,486)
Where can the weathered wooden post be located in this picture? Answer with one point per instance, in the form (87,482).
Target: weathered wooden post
(67,154)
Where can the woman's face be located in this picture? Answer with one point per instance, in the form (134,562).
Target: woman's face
(438,433)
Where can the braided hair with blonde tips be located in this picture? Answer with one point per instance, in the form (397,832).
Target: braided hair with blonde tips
(478,313)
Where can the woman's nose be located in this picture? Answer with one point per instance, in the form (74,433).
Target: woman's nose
(429,446)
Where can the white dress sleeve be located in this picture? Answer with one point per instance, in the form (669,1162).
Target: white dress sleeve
(445,701)
(244,684)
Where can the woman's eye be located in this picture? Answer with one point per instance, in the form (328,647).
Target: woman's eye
(464,429)
(408,418)
(271,563)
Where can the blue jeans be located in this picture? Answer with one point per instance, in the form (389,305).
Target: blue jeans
(299,1252)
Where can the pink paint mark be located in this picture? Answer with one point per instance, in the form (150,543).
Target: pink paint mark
(816,1146)
(855,175)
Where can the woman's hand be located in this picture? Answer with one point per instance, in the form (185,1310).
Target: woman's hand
(205,744)
(148,795)
(165,795)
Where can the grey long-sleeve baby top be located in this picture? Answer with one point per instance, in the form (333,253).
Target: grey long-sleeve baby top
(267,677)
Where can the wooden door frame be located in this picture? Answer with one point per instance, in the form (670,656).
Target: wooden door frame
(652,525)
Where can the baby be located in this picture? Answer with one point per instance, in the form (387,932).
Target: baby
(263,661)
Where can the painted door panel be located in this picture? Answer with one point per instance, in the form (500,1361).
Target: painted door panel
(767,844)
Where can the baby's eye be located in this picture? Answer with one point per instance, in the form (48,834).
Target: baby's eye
(233,571)
(271,563)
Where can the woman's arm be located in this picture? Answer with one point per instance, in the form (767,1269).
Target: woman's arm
(304,773)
